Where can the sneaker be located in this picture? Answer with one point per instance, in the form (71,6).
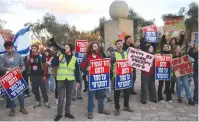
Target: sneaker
(58,117)
(47,105)
(103,111)
(80,98)
(26,95)
(56,101)
(73,99)
(90,115)
(12,113)
(117,112)
(128,109)
(180,100)
(23,110)
(69,116)
(110,100)
(143,102)
(191,102)
(155,101)
(85,90)
(162,101)
(173,92)
(170,101)
(38,104)
(133,93)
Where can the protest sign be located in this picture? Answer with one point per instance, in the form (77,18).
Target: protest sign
(194,37)
(150,34)
(2,91)
(182,66)
(140,60)
(174,24)
(99,74)
(80,49)
(124,74)
(13,83)
(163,67)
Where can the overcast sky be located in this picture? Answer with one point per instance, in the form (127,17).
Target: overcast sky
(84,14)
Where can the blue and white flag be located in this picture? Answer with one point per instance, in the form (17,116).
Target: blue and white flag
(22,41)
(2,49)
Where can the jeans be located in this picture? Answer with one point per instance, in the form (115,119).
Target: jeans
(20,99)
(50,83)
(77,92)
(189,82)
(195,97)
(184,81)
(65,88)
(100,95)
(108,91)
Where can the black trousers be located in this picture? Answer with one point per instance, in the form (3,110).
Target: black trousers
(56,88)
(117,98)
(37,83)
(173,85)
(167,90)
(85,81)
(25,76)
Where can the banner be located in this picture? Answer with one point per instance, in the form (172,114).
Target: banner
(13,83)
(163,67)
(174,24)
(140,60)
(150,34)
(2,91)
(99,74)
(124,75)
(182,66)
(80,49)
(194,37)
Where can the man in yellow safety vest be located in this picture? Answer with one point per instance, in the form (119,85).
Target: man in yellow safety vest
(119,55)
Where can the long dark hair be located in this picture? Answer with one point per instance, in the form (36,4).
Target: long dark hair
(90,47)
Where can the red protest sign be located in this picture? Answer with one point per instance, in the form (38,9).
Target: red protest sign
(81,46)
(182,66)
(123,67)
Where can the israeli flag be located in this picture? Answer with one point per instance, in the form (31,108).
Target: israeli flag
(2,49)
(22,41)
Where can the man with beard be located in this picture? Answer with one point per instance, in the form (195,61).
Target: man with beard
(11,60)
(92,54)
(129,43)
(119,55)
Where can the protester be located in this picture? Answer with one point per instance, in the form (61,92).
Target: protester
(92,54)
(129,43)
(50,82)
(119,55)
(148,80)
(176,52)
(165,50)
(66,75)
(38,75)
(193,52)
(11,60)
(26,78)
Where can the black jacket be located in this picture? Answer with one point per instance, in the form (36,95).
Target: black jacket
(195,56)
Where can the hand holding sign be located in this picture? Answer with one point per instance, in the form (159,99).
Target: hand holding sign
(88,68)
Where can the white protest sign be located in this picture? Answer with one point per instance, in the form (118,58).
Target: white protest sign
(140,59)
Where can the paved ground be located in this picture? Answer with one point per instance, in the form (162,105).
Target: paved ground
(149,112)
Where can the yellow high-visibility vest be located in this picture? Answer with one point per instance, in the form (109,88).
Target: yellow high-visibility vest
(118,56)
(66,71)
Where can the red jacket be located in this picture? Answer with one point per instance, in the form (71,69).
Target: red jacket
(86,62)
